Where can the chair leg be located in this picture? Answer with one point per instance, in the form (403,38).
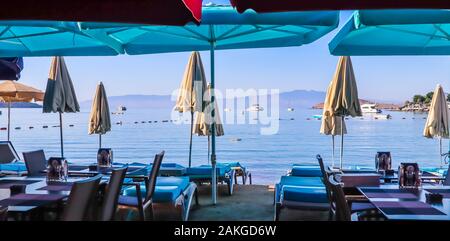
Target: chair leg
(243,179)
(196,197)
(250,177)
(235,177)
(330,215)
(277,212)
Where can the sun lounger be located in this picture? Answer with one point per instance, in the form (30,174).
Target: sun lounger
(172,198)
(202,174)
(302,189)
(240,171)
(10,162)
(305,171)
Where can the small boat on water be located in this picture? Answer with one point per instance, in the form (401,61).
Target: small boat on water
(290,109)
(317,117)
(120,110)
(227,109)
(255,108)
(370,108)
(382,117)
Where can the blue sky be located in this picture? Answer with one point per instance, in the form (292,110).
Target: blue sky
(308,67)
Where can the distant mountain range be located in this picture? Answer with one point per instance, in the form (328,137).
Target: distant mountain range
(295,99)
(20,105)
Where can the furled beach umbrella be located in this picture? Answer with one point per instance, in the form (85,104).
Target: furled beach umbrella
(204,121)
(331,125)
(10,68)
(192,92)
(60,94)
(437,124)
(13,91)
(342,96)
(99,119)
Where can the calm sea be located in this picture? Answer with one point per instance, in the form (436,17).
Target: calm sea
(267,156)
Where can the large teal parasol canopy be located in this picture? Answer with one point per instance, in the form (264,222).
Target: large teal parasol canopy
(394,32)
(222,27)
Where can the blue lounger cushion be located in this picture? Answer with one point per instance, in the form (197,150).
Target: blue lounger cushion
(301,181)
(13,167)
(304,194)
(205,170)
(306,171)
(167,189)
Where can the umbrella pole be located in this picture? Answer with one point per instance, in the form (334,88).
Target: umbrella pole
(61,134)
(342,143)
(9,118)
(209,146)
(213,124)
(99,141)
(440,150)
(332,154)
(190,140)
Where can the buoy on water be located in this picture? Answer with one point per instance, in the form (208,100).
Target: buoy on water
(31,127)
(44,127)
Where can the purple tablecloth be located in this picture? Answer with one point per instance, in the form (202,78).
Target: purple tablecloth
(391,193)
(57,186)
(6,184)
(407,208)
(31,199)
(444,192)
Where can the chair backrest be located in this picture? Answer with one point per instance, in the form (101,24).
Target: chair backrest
(81,197)
(343,212)
(325,176)
(3,213)
(447,177)
(35,162)
(112,193)
(7,152)
(383,161)
(153,175)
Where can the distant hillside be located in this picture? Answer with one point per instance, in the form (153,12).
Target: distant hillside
(20,105)
(295,99)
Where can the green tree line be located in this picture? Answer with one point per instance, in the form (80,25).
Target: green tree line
(425,99)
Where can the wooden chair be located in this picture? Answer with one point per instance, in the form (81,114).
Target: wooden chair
(3,213)
(81,197)
(112,193)
(144,205)
(35,162)
(343,211)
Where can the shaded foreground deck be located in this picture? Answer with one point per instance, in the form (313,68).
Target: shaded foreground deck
(248,203)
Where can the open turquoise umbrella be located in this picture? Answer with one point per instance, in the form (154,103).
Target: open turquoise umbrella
(394,32)
(222,27)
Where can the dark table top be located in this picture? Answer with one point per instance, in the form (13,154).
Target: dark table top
(38,192)
(397,203)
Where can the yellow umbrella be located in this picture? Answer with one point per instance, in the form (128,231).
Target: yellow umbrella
(342,98)
(203,121)
(437,121)
(13,91)
(191,93)
(332,125)
(99,119)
